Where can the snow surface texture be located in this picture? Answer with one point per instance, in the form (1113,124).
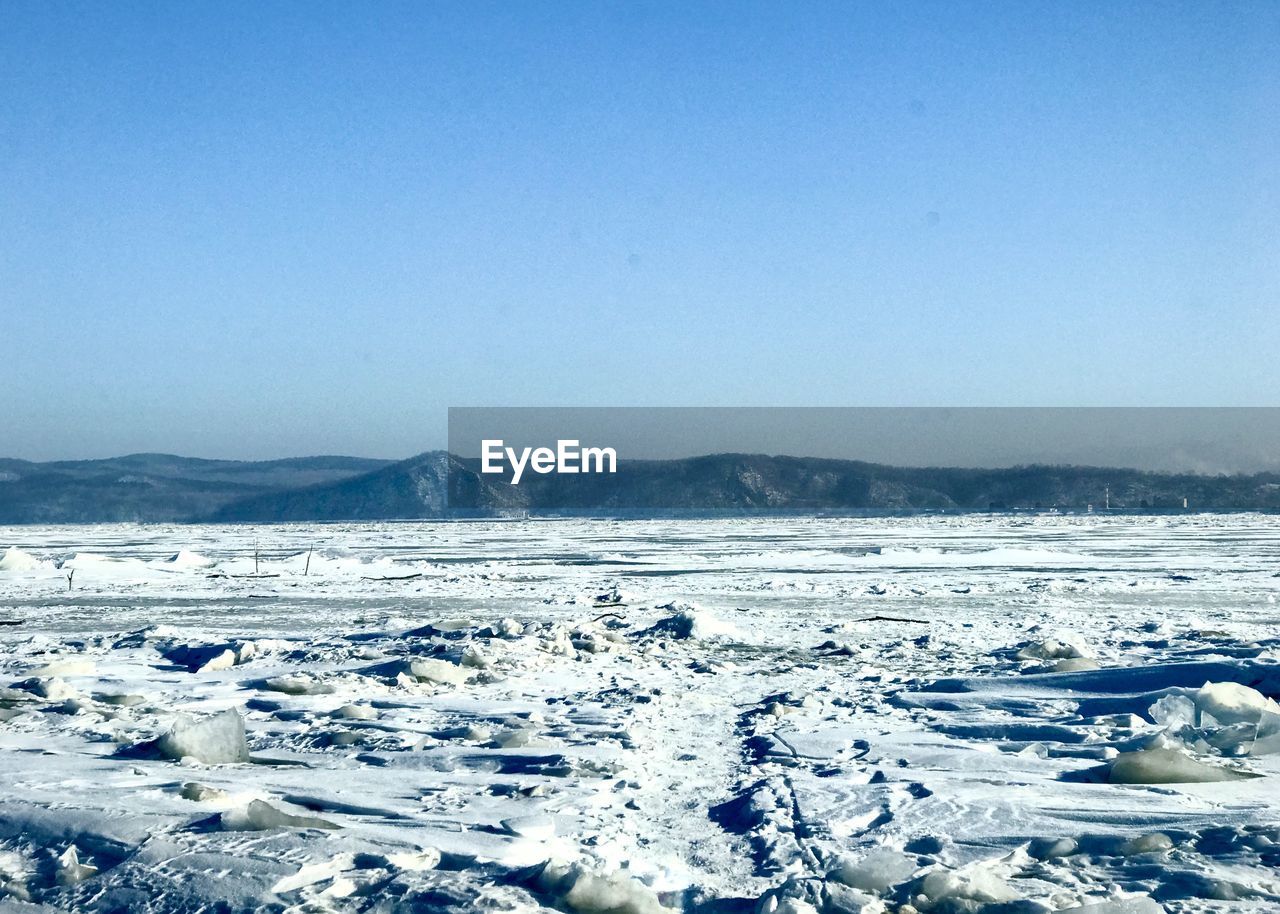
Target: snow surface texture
(1003,715)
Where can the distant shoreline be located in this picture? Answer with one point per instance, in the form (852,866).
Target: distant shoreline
(155,488)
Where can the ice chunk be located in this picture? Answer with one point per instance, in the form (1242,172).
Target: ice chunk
(475,658)
(214,740)
(54,689)
(68,666)
(415,861)
(207,657)
(692,622)
(1232,703)
(1267,735)
(1174,711)
(22,693)
(1215,704)
(247,650)
(539,828)
(1065,646)
(224,661)
(1167,766)
(297,684)
(840,899)
(313,873)
(1148,844)
(440,672)
(13,877)
(557,643)
(355,712)
(877,872)
(261,816)
(591,643)
(515,738)
(509,628)
(1052,848)
(201,793)
(14,559)
(1227,717)
(71,870)
(473,734)
(613,597)
(579,889)
(978,884)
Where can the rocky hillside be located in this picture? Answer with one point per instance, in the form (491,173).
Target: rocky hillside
(436,485)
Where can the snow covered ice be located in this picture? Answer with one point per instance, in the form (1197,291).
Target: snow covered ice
(981,714)
(217,738)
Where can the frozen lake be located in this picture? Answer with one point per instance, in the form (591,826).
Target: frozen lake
(1005,714)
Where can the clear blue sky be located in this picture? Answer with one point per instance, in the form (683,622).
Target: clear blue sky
(261,229)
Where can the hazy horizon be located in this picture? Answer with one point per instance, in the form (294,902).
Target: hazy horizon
(1203,440)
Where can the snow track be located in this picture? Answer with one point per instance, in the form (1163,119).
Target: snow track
(990,714)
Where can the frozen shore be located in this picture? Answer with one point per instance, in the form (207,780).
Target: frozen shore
(952,715)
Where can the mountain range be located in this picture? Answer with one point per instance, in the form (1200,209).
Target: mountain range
(164,488)
(153,487)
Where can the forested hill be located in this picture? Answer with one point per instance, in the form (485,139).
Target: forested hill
(752,484)
(157,487)
(153,487)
